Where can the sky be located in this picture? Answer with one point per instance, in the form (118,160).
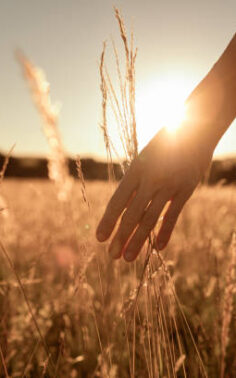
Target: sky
(178,42)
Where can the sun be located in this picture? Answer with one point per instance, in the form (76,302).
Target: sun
(160,103)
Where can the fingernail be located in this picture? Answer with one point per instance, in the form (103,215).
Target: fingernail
(100,236)
(128,256)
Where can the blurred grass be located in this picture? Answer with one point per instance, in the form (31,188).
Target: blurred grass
(79,296)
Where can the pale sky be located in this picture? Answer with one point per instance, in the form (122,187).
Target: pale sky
(178,42)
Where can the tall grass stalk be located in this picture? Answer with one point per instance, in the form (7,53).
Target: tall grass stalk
(122,105)
(58,170)
(163,357)
(3,363)
(3,206)
(99,318)
(81,177)
(104,128)
(227,312)
(5,164)
(31,311)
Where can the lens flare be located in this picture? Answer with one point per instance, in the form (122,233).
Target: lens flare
(160,104)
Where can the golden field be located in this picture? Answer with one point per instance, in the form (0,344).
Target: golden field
(68,310)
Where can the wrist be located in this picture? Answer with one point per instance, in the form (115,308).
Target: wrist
(211,107)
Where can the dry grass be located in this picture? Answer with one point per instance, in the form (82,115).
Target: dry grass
(5,164)
(229,291)
(161,349)
(122,101)
(57,161)
(82,301)
(67,310)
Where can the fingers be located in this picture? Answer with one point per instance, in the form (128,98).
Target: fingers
(147,224)
(170,219)
(116,205)
(130,221)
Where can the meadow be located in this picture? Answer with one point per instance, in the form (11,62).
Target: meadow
(68,310)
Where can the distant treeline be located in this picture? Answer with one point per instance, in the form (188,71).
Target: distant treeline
(29,167)
(221,170)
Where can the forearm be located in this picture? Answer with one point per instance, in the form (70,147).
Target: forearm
(225,71)
(211,107)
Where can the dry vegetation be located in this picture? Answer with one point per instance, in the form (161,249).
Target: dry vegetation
(83,302)
(67,310)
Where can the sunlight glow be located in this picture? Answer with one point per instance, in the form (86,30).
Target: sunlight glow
(160,103)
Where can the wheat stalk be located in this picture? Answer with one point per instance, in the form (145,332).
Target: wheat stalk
(123,107)
(81,177)
(58,170)
(229,290)
(5,164)
(4,363)
(21,287)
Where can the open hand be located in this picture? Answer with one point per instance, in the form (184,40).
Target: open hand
(167,170)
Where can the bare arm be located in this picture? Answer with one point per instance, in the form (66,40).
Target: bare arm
(212,104)
(170,167)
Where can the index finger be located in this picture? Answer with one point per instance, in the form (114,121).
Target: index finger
(117,204)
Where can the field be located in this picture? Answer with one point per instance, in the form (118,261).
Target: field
(68,310)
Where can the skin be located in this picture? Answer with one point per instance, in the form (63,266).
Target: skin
(170,167)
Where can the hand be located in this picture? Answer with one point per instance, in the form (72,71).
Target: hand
(167,170)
